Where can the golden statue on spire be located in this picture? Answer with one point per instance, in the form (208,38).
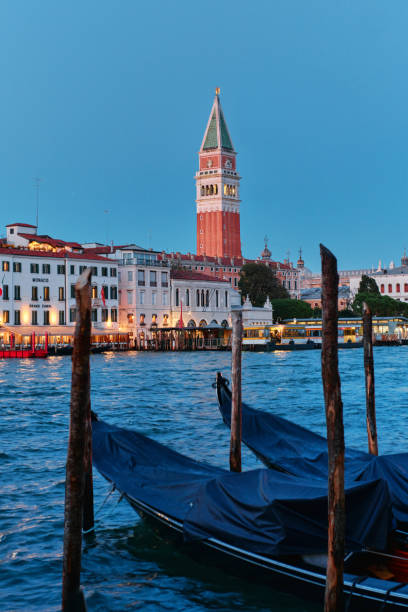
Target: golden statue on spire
(217,91)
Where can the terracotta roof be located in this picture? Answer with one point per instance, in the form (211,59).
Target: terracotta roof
(193,275)
(55,242)
(105,248)
(60,255)
(21,225)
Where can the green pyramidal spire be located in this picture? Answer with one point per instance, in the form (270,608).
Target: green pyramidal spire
(216,135)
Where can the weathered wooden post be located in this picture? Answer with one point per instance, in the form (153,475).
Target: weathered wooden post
(236,413)
(78,450)
(369,379)
(333,600)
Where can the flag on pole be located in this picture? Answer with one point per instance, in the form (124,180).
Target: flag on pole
(103,296)
(181,322)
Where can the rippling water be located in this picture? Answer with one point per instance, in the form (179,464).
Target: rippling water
(168,397)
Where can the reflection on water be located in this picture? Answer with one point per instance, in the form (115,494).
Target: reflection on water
(169,397)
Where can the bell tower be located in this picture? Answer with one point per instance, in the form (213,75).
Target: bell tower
(217,180)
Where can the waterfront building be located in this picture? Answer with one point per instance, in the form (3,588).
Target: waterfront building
(391,281)
(37,288)
(313,296)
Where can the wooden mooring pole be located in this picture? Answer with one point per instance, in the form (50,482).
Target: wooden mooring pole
(79,450)
(333,599)
(369,379)
(236,412)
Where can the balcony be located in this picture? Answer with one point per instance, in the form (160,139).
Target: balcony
(153,284)
(141,283)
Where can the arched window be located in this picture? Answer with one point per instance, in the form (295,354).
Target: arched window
(406,287)
(198,297)
(207,190)
(191,323)
(225,189)
(389,288)
(216,298)
(207,298)
(202,190)
(187,297)
(382,288)
(224,323)
(215,189)
(398,288)
(177,297)
(211,189)
(203,323)
(226,299)
(202,297)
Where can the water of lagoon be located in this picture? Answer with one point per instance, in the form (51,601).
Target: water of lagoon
(168,397)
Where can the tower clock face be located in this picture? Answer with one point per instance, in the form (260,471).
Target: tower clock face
(228,163)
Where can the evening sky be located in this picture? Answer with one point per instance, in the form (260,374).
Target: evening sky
(107,102)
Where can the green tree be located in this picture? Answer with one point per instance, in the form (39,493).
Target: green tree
(368,285)
(259,282)
(291,309)
(381,306)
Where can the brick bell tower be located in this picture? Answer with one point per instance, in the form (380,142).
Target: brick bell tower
(218,203)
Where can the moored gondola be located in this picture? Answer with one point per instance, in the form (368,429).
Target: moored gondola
(270,525)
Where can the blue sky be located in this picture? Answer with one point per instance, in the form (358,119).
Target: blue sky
(108,102)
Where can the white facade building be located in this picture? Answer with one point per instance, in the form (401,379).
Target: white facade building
(38,276)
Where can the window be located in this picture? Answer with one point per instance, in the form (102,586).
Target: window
(94,315)
(81,269)
(94,271)
(16,266)
(130,275)
(202,298)
(46,268)
(105,312)
(46,294)
(34,293)
(113,292)
(398,289)
(226,299)
(216,298)
(72,270)
(6,316)
(130,297)
(105,290)
(177,297)
(61,269)
(61,317)
(153,278)
(94,292)
(164,279)
(5,292)
(46,317)
(104,271)
(389,288)
(61,294)
(198,297)
(114,315)
(12,230)
(236,282)
(142,319)
(113,272)
(34,317)
(72,291)
(72,315)
(6,266)
(165,298)
(34,268)
(17,318)
(130,318)
(141,297)
(382,288)
(207,298)
(154,297)
(405,287)
(17,292)
(187,297)
(141,278)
